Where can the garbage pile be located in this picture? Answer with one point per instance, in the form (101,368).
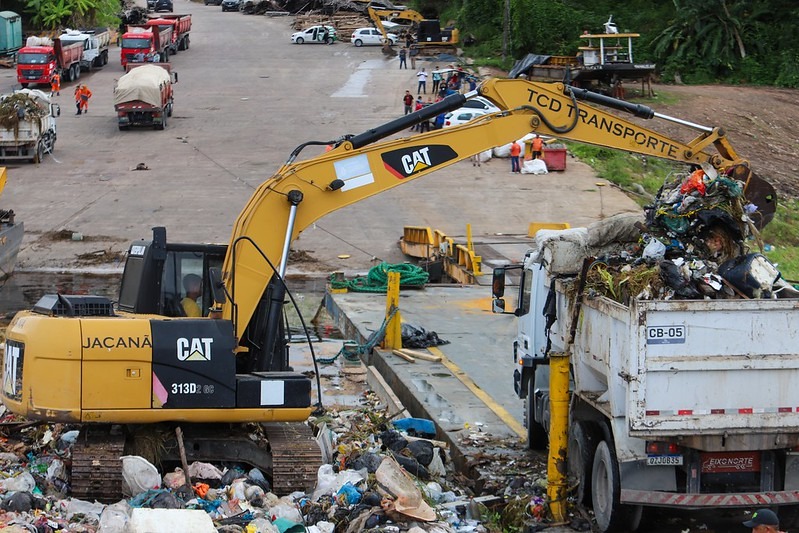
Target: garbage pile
(19,106)
(382,474)
(693,243)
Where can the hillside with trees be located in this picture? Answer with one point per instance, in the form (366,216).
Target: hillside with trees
(691,41)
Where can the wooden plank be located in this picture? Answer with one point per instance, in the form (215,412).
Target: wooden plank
(405,356)
(422,355)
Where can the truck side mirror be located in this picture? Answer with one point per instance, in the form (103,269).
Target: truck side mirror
(217,287)
(498,290)
(498,282)
(175,77)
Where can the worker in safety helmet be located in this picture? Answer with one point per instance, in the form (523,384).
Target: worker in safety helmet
(764,521)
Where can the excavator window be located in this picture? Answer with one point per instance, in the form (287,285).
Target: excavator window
(178,265)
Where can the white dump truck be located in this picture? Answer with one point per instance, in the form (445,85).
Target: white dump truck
(683,403)
(27,125)
(95,46)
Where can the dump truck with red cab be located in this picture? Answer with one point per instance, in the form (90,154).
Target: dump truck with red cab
(147,41)
(181,27)
(41,58)
(143,96)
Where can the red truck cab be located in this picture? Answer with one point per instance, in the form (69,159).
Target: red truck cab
(39,63)
(145,40)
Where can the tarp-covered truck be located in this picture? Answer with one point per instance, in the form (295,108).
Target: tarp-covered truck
(27,125)
(143,96)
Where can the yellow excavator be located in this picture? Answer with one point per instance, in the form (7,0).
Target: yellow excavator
(429,33)
(118,368)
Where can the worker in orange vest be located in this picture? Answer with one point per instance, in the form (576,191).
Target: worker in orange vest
(538,146)
(82,95)
(55,85)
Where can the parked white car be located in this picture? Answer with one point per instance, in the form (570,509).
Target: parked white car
(367,36)
(480,103)
(461,116)
(315,34)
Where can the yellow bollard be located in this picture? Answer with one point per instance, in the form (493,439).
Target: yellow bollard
(393,338)
(557,465)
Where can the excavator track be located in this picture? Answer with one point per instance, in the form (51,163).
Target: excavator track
(296,457)
(97,465)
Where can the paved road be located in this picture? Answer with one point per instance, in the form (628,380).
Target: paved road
(246,97)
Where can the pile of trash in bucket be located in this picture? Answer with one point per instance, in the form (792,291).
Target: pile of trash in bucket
(382,474)
(692,242)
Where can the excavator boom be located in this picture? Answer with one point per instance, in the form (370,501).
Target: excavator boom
(303,191)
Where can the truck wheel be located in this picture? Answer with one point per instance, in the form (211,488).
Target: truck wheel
(537,438)
(165,56)
(583,439)
(169,110)
(104,60)
(39,155)
(24,85)
(611,515)
(188,42)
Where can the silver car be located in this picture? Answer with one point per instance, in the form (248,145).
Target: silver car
(367,36)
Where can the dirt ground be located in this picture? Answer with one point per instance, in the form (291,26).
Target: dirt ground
(761,124)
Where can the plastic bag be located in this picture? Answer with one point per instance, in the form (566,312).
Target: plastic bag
(115,518)
(328,482)
(695,182)
(204,471)
(654,250)
(534,166)
(408,498)
(91,511)
(138,475)
(22,483)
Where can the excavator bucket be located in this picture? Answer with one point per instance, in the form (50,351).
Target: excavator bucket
(758,192)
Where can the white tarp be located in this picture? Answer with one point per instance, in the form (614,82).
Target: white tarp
(38,41)
(142,83)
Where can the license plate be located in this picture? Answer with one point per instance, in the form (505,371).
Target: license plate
(661,460)
(674,334)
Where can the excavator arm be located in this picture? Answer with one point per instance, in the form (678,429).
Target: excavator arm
(405,14)
(363,165)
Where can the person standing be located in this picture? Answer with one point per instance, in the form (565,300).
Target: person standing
(402,56)
(408,101)
(515,151)
(413,52)
(538,146)
(436,80)
(764,521)
(422,77)
(82,95)
(55,85)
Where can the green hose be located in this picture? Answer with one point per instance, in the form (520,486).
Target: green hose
(377,278)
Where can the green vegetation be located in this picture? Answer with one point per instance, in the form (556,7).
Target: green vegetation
(55,14)
(695,41)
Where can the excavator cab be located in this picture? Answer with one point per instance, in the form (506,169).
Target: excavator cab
(152,282)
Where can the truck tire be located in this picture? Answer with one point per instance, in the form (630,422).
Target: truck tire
(583,439)
(24,85)
(188,42)
(609,513)
(104,60)
(38,156)
(537,438)
(76,76)
(165,55)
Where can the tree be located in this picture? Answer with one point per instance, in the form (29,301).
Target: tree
(54,14)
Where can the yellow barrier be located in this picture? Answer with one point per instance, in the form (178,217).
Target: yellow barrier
(535,226)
